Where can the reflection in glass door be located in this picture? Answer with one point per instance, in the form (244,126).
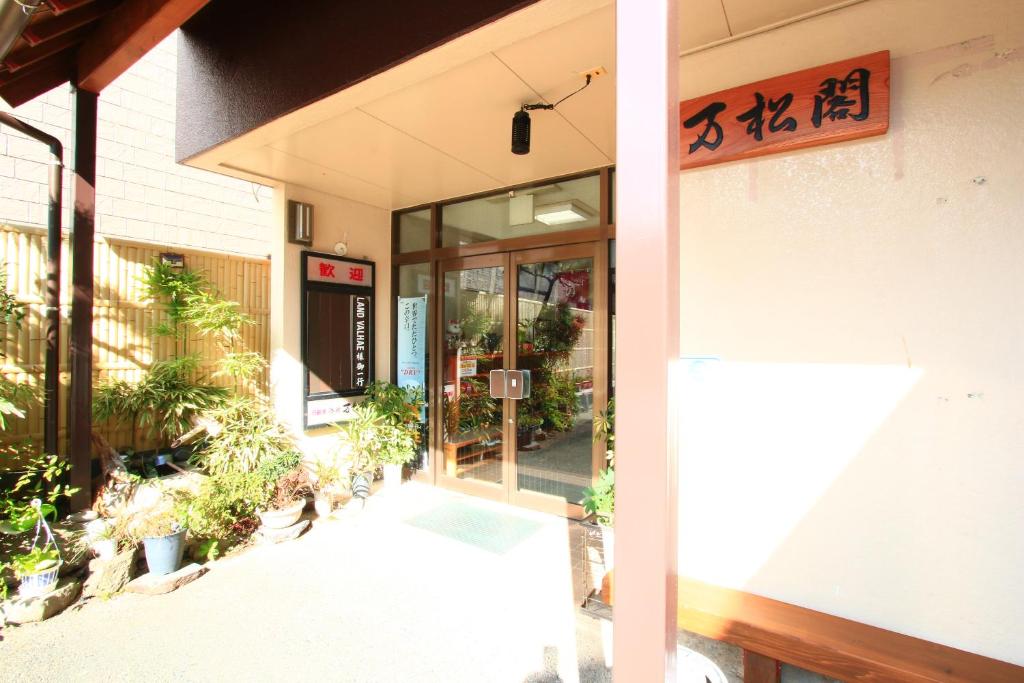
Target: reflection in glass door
(541,311)
(555,341)
(473,345)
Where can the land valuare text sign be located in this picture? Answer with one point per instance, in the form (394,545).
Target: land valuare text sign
(840,101)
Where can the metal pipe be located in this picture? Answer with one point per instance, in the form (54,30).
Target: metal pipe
(14,16)
(53,240)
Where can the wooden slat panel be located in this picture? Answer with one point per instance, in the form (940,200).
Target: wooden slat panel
(122,346)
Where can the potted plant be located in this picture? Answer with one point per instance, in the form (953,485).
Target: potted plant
(599,499)
(37,570)
(163,533)
(401,410)
(360,436)
(288,500)
(324,488)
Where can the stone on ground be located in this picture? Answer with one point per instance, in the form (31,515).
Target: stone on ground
(147,584)
(107,577)
(39,608)
(287,534)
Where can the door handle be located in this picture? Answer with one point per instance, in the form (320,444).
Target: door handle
(513,384)
(497,384)
(517,384)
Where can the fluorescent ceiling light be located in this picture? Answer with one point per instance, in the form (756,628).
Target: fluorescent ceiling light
(570,211)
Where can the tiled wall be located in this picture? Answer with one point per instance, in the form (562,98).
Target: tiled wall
(141,192)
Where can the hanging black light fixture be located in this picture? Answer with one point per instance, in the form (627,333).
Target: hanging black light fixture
(521,121)
(521,132)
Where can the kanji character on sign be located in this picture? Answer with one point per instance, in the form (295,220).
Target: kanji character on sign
(707,115)
(838,97)
(326,269)
(355,274)
(755,116)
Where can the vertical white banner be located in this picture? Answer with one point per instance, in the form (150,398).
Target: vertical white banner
(412,341)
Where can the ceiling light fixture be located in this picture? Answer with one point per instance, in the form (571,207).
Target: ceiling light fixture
(521,121)
(570,211)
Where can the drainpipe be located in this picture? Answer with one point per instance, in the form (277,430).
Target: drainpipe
(52,368)
(14,16)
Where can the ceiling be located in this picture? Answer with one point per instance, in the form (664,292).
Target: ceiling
(439,126)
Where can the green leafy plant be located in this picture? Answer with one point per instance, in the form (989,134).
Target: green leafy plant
(474,409)
(41,476)
(328,475)
(163,521)
(248,437)
(163,403)
(34,561)
(604,430)
(599,499)
(15,398)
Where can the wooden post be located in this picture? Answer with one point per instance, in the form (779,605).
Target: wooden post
(760,669)
(82,233)
(647,328)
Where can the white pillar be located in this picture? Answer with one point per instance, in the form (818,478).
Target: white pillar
(647,329)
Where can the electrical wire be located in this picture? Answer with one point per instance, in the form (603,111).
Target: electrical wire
(542,105)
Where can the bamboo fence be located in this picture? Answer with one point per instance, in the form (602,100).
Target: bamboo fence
(123,347)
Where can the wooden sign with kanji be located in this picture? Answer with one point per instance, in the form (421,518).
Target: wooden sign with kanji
(841,101)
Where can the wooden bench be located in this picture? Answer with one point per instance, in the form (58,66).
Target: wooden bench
(455,453)
(771,632)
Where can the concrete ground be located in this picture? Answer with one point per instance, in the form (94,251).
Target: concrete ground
(366,597)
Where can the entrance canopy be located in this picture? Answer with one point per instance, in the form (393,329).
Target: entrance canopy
(438,125)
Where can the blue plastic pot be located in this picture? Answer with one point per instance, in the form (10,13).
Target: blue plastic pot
(164,553)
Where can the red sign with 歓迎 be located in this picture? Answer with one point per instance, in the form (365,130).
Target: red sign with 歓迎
(338,271)
(841,101)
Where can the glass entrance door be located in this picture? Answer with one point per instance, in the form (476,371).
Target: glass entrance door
(474,338)
(560,315)
(542,312)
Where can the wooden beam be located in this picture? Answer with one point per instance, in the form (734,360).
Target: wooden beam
(127,33)
(47,29)
(27,56)
(82,235)
(17,89)
(59,7)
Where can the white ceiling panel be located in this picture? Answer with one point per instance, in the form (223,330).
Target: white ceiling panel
(701,22)
(467,113)
(275,165)
(361,146)
(551,63)
(748,15)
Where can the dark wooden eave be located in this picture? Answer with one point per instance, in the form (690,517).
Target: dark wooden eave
(86,42)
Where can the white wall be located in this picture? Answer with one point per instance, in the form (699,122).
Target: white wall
(141,193)
(858,449)
(367,230)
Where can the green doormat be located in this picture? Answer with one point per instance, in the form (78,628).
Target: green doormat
(491,531)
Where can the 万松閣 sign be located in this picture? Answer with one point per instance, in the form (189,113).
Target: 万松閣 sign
(841,101)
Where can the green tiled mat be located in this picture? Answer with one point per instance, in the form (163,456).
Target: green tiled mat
(484,529)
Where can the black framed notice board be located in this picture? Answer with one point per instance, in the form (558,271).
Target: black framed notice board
(337,334)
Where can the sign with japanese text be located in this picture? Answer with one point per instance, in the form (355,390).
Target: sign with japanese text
(467,367)
(360,341)
(327,411)
(339,271)
(412,341)
(840,101)
(574,288)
